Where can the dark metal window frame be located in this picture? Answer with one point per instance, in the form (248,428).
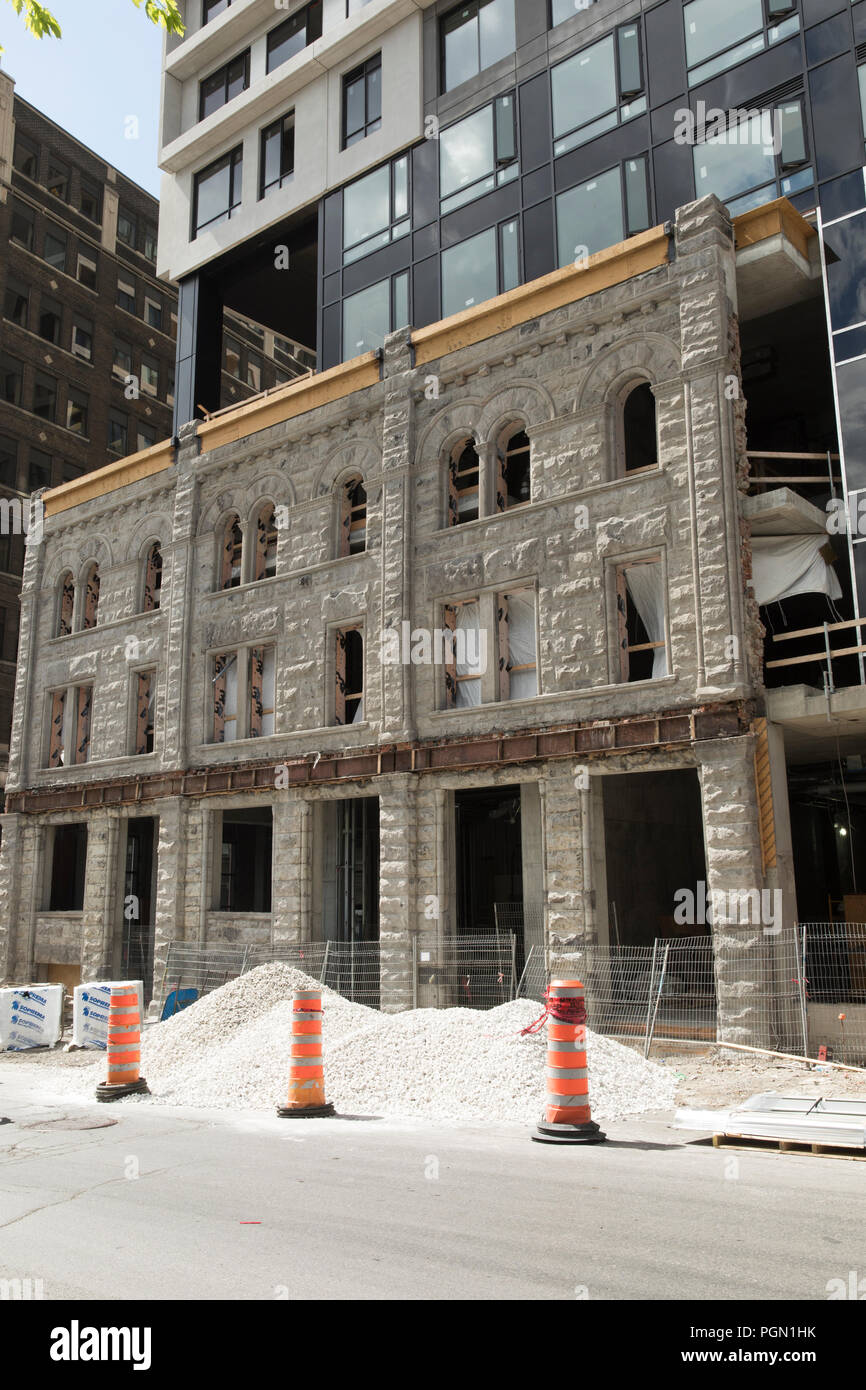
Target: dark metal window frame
(772,14)
(224,71)
(290,27)
(233,160)
(393,219)
(474,5)
(208,6)
(500,163)
(497,228)
(623,99)
(371,123)
(628,229)
(782,170)
(278,127)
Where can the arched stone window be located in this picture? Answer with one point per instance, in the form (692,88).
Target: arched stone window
(67,605)
(152,578)
(91,597)
(353,517)
(513,477)
(265,566)
(639,434)
(232,553)
(464,482)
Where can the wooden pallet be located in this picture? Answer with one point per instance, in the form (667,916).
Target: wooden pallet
(785,1146)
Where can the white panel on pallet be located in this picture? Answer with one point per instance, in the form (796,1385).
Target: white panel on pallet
(90,1011)
(30,1017)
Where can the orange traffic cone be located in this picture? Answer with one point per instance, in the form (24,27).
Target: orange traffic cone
(307,1073)
(124,1046)
(567,1117)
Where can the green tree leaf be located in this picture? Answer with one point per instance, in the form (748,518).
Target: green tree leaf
(41,22)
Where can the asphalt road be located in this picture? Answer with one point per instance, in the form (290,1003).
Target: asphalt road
(159,1205)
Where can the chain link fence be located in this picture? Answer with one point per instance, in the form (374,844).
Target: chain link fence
(802,991)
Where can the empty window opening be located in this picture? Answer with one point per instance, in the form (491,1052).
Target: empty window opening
(136,938)
(489,857)
(225,697)
(153,578)
(262,685)
(91,597)
(513,482)
(69,735)
(245,861)
(350,677)
(348,844)
(464,476)
(640,603)
(653,849)
(639,429)
(68,860)
(353,522)
(67,605)
(232,554)
(144,711)
(266,543)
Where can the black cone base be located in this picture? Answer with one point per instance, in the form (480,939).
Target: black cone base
(302,1112)
(106,1092)
(588,1133)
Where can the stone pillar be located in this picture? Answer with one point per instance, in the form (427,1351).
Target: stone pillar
(171,865)
(743,949)
(292,871)
(397,912)
(398,447)
(12,898)
(96,875)
(563,834)
(181,588)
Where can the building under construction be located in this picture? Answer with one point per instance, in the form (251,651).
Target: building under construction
(541,614)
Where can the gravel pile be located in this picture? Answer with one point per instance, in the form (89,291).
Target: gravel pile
(231,1050)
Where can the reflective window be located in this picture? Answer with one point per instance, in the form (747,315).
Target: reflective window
(373,313)
(211,8)
(469,273)
(474,36)
(362,101)
(224,85)
(739,164)
(861,73)
(478,153)
(597,88)
(55,248)
(366,319)
(602,211)
(127,230)
(720,36)
(278,154)
(294,34)
(376,210)
(218,191)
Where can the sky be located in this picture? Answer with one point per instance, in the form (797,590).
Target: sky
(102,72)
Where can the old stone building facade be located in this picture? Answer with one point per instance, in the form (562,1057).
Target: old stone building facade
(284,699)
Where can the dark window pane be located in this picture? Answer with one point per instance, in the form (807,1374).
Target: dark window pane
(25,157)
(8,461)
(847,242)
(790,116)
(22,226)
(636,195)
(38,470)
(584,88)
(469,274)
(589,217)
(366,319)
(50,320)
(55,249)
(460,46)
(16,304)
(630,80)
(11,376)
(44,396)
(212,94)
(711,27)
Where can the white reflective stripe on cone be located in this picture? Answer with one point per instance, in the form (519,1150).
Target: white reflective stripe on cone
(308,1018)
(568,1073)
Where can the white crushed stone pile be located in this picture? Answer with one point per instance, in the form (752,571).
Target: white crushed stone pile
(231,1051)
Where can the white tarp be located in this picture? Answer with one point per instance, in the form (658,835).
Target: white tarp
(523,685)
(30,1017)
(647,592)
(786,565)
(468,622)
(90,1011)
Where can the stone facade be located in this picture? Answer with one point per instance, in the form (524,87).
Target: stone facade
(561,376)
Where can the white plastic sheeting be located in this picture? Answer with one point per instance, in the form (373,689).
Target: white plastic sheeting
(523,685)
(786,565)
(469,655)
(646,586)
(30,1017)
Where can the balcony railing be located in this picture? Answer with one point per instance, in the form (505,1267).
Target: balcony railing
(764,464)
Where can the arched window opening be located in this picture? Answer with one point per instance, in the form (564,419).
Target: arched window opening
(91,597)
(232,554)
(266,543)
(67,605)
(353,519)
(464,475)
(639,429)
(153,578)
(513,481)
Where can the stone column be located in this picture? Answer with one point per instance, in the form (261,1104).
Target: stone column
(171,876)
(180,598)
(12,899)
(98,869)
(292,871)
(744,950)
(398,447)
(397,912)
(563,833)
